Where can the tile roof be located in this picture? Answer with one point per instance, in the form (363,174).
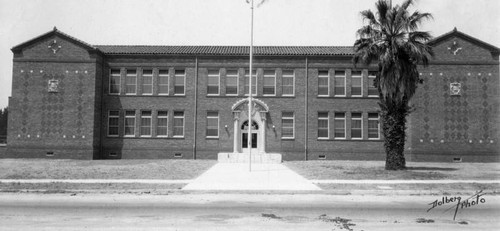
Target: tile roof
(227,50)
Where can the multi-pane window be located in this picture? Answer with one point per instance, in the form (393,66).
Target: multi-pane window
(113,120)
(146,123)
(287,83)
(356,83)
(131,82)
(339,83)
(254,83)
(287,125)
(147,82)
(323,82)
(163,82)
(212,124)
(322,125)
(178,124)
(232,82)
(373,126)
(162,123)
(356,125)
(269,82)
(372,90)
(129,123)
(213,82)
(114,81)
(179,82)
(339,125)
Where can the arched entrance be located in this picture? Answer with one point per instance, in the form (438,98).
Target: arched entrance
(241,118)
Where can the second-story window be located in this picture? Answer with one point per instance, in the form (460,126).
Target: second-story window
(180,82)
(372,90)
(147,82)
(356,83)
(339,83)
(323,83)
(114,81)
(254,83)
(131,82)
(288,83)
(269,82)
(213,82)
(163,82)
(232,82)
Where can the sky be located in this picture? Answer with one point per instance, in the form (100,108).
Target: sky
(220,22)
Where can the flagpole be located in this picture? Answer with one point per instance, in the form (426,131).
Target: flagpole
(250,92)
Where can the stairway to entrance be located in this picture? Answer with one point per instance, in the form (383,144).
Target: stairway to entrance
(260,158)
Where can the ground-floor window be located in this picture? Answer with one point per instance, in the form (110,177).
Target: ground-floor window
(356,125)
(339,125)
(162,124)
(287,125)
(129,123)
(178,124)
(212,124)
(113,123)
(373,126)
(146,123)
(323,125)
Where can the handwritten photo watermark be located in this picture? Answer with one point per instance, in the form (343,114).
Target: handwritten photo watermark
(458,203)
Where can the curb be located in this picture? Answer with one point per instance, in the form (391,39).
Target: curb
(95,181)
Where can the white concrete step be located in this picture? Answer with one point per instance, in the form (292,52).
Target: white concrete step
(261,158)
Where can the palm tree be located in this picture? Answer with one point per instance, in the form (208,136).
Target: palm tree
(390,38)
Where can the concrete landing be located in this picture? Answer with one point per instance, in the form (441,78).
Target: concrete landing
(236,176)
(261,158)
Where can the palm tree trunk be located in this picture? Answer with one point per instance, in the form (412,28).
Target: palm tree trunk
(393,128)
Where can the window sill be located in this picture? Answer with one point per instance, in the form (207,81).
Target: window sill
(288,138)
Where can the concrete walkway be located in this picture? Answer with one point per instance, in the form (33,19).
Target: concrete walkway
(236,176)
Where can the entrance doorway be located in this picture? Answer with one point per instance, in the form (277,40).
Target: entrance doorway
(244,136)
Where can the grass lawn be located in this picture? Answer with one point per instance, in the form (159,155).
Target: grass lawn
(374,170)
(103,169)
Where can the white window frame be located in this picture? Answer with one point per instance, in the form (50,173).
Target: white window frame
(335,81)
(183,124)
(149,85)
(293,82)
(150,117)
(360,119)
(160,76)
(218,82)
(218,124)
(369,85)
(158,116)
(335,118)
(237,82)
(184,77)
(117,126)
(256,83)
(264,82)
(378,125)
(119,81)
(327,76)
(293,125)
(126,79)
(125,123)
(327,123)
(361,81)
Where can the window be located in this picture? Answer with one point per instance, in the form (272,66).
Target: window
(163,82)
(147,82)
(212,124)
(114,82)
(113,120)
(373,126)
(232,82)
(162,124)
(322,125)
(213,82)
(129,123)
(254,83)
(339,125)
(179,82)
(288,83)
(178,124)
(372,90)
(146,123)
(269,82)
(356,125)
(339,83)
(323,82)
(131,82)
(356,83)
(287,125)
